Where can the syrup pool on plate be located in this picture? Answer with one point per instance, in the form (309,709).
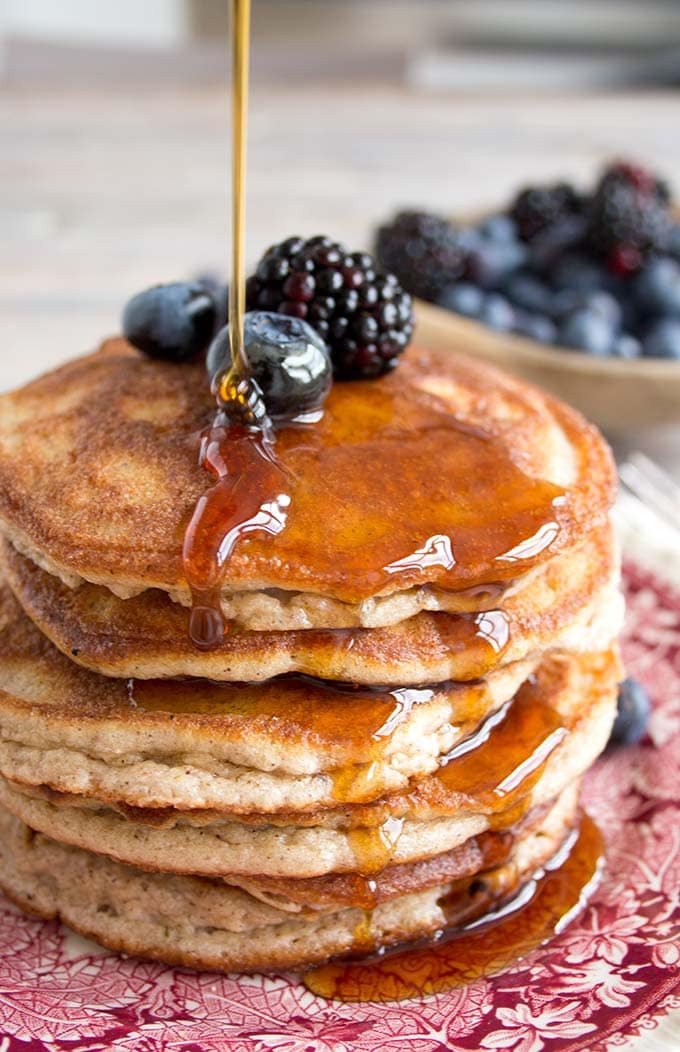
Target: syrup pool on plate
(459,954)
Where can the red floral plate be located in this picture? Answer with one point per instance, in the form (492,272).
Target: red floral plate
(613,973)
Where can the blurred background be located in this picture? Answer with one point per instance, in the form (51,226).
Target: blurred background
(114,137)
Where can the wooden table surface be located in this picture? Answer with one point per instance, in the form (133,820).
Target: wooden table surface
(103,192)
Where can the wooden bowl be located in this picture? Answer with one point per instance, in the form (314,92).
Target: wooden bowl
(615,393)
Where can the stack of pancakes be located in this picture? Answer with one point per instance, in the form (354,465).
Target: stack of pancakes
(416,674)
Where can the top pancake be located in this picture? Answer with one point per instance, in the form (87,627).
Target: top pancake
(444,473)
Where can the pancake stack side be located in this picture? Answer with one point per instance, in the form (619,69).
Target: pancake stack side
(417,671)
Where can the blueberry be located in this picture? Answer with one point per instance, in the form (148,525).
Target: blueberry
(527,291)
(626,346)
(673,243)
(209,279)
(469,238)
(566,301)
(600,301)
(633,709)
(497,313)
(663,339)
(289,361)
(628,305)
(463,298)
(498,228)
(577,274)
(657,287)
(173,322)
(587,330)
(537,327)
(605,304)
(492,261)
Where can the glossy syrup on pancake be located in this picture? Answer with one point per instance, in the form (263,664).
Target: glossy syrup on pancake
(495,768)
(358,720)
(462,952)
(484,851)
(495,764)
(459,499)
(505,758)
(249,496)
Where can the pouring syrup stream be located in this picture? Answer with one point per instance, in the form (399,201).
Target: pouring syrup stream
(238,448)
(240,20)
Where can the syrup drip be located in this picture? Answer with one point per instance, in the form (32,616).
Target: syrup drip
(489,849)
(355,722)
(374,846)
(504,759)
(492,626)
(248,497)
(249,493)
(459,952)
(494,768)
(240,20)
(369,456)
(362,935)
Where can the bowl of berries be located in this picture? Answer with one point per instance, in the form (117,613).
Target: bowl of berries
(578,291)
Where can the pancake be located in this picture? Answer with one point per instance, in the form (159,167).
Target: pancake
(445,474)
(196,923)
(417,669)
(553,731)
(574,603)
(334,890)
(197,744)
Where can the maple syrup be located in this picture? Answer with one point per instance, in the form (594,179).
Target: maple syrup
(394,468)
(389,490)
(495,764)
(450,506)
(459,952)
(240,20)
(352,722)
(493,769)
(374,846)
(502,762)
(487,850)
(249,495)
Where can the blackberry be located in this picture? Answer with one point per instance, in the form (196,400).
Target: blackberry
(364,317)
(628,217)
(425,252)
(637,177)
(537,208)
